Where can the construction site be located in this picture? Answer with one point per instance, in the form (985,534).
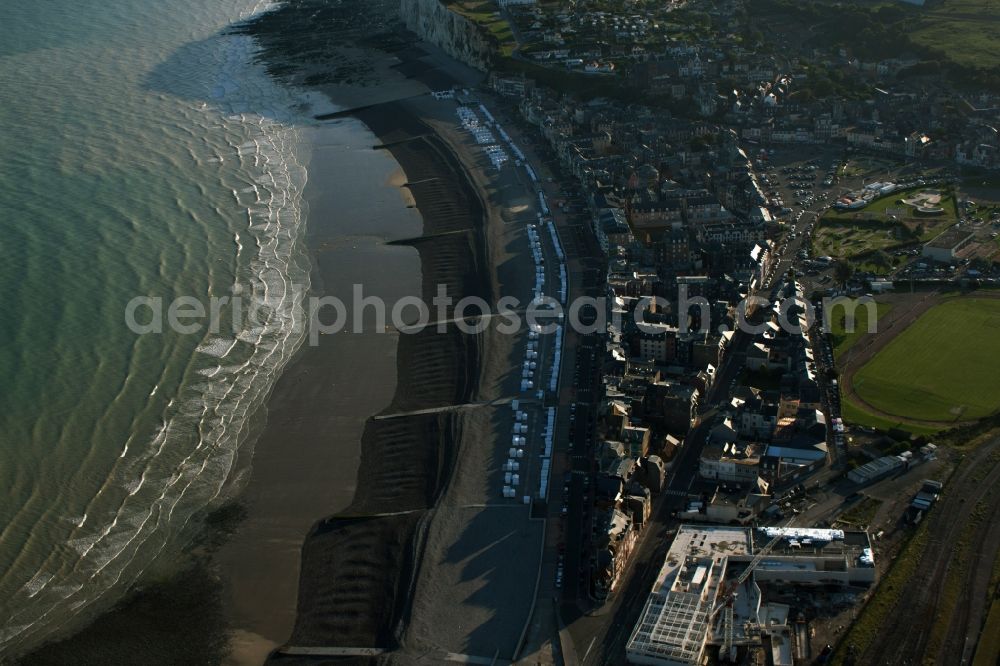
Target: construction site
(725,591)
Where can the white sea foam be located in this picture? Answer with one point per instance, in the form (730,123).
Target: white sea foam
(38,583)
(79,521)
(83,544)
(213,410)
(12,631)
(64,591)
(217,347)
(186,462)
(210,372)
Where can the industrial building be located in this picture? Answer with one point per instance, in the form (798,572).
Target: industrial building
(875,469)
(711,590)
(945,247)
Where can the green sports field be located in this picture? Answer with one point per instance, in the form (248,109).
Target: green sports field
(945,367)
(856,415)
(844,340)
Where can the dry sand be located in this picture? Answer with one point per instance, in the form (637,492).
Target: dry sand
(356,566)
(305,463)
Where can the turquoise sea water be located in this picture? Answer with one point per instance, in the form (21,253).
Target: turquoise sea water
(141,153)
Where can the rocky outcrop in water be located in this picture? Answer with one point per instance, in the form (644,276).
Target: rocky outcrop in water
(456,35)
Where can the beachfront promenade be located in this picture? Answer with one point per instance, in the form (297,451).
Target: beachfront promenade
(484,558)
(545,638)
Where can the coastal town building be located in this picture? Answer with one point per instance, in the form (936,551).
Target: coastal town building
(683,617)
(725,459)
(681,196)
(727,507)
(624,491)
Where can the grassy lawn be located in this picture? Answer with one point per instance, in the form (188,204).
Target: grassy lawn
(843,340)
(484,13)
(904,571)
(861,514)
(854,169)
(868,266)
(881,205)
(855,232)
(958,34)
(988,650)
(835,237)
(942,368)
(856,415)
(878,611)
(958,574)
(964,30)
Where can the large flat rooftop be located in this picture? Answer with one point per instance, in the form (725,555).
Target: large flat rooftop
(951,238)
(676,623)
(700,541)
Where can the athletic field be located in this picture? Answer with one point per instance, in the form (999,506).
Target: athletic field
(944,367)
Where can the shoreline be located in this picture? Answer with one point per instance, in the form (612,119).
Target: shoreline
(400,465)
(420,563)
(358,566)
(304,461)
(307,436)
(378,523)
(353,596)
(392,569)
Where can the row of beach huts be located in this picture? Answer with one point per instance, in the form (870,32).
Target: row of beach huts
(482,126)
(533,382)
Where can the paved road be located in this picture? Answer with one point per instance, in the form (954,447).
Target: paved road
(600,633)
(569,461)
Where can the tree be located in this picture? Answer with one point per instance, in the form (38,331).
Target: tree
(843,271)
(804,95)
(698,144)
(881,259)
(821,87)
